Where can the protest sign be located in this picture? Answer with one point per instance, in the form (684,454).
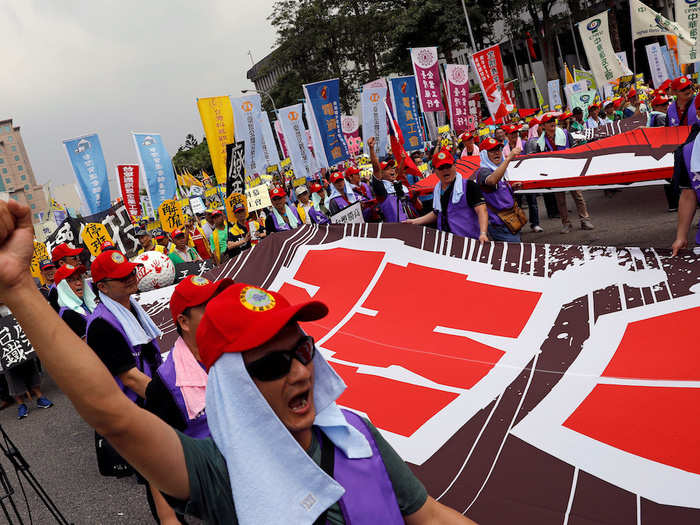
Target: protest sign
(156,166)
(404,98)
(39,254)
(15,347)
(554,94)
(351,214)
(323,100)
(292,124)
(88,162)
(235,168)
(489,70)
(657,65)
(280,137)
(595,36)
(582,74)
(457,79)
(267,140)
(217,120)
(246,115)
(93,235)
(170,215)
(687,12)
(128,176)
(184,269)
(197,205)
(231,201)
(427,74)
(374,118)
(258,198)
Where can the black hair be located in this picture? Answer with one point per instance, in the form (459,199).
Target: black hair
(186,312)
(577,110)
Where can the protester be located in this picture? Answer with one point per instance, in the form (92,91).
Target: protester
(577,124)
(492,178)
(308,210)
(458,204)
(162,240)
(499,134)
(512,138)
(686,165)
(657,116)
(633,104)
(470,149)
(391,194)
(239,235)
(684,110)
(593,119)
(341,195)
(524,132)
(318,197)
(218,240)
(64,254)
(23,381)
(361,188)
(282,217)
(207,224)
(146,242)
(181,252)
(262,403)
(48,271)
(76,298)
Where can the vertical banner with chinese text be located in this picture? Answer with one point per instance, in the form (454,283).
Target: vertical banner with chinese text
(88,161)
(427,72)
(554,94)
(489,70)
(217,120)
(605,65)
(324,104)
(128,176)
(374,118)
(269,147)
(246,116)
(156,166)
(351,130)
(657,65)
(404,96)
(280,137)
(295,137)
(687,12)
(457,78)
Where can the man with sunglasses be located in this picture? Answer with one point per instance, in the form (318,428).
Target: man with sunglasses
(684,110)
(458,204)
(281,449)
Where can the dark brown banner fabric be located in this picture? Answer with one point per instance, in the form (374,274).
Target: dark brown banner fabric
(523,383)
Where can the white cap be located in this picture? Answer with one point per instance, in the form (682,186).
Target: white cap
(300,189)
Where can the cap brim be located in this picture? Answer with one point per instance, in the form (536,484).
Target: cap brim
(123,270)
(269,326)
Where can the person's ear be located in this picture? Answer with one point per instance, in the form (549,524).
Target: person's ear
(102,287)
(184,322)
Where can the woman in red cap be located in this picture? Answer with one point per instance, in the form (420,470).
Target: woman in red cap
(470,149)
(684,110)
(76,298)
(594,119)
(282,217)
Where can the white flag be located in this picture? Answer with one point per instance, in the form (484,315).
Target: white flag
(687,17)
(605,65)
(647,22)
(656,64)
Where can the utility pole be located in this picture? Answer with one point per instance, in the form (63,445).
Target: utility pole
(469,26)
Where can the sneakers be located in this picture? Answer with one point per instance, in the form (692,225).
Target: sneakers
(586,224)
(42,402)
(566,228)
(22,411)
(537,229)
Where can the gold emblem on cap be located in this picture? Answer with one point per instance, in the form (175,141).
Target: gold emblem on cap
(117,257)
(441,156)
(256,299)
(199,280)
(69,266)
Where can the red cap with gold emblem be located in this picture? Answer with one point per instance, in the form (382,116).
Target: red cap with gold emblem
(111,265)
(66,271)
(315,187)
(335,177)
(681,83)
(244,316)
(490,143)
(660,100)
(441,158)
(277,191)
(194,290)
(548,117)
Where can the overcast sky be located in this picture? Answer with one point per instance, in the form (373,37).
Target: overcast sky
(74,67)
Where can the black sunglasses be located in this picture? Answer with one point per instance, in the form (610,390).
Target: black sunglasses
(122,279)
(277,364)
(445,167)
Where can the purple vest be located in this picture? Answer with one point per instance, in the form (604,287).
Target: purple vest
(340,202)
(392,209)
(369,495)
(197,427)
(694,181)
(317,217)
(461,217)
(284,226)
(102,313)
(499,198)
(674,119)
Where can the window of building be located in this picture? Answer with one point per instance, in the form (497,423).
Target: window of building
(8,181)
(14,148)
(33,206)
(24,177)
(30,197)
(26,187)
(10,138)
(20,167)
(16,157)
(4,170)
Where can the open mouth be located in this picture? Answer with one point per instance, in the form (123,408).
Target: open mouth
(299,404)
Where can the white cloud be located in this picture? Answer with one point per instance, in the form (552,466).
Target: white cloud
(75,67)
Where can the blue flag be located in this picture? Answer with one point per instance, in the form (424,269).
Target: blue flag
(88,161)
(404,99)
(324,101)
(157,167)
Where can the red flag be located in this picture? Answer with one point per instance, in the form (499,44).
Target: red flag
(531,46)
(399,152)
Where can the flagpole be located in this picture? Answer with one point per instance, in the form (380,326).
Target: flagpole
(573,36)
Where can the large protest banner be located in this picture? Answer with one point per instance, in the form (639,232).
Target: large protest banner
(156,166)
(235,168)
(557,404)
(350,125)
(489,70)
(404,98)
(323,100)
(374,117)
(246,115)
(457,79)
(88,162)
(595,36)
(292,124)
(128,177)
(217,120)
(269,147)
(659,73)
(687,13)
(427,74)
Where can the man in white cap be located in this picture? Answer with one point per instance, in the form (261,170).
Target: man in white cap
(281,449)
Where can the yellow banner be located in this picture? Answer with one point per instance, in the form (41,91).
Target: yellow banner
(299,181)
(40,253)
(285,162)
(232,200)
(94,235)
(170,215)
(217,120)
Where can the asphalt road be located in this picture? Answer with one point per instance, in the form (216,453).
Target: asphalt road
(59,446)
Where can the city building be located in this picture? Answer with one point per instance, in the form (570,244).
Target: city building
(16,174)
(265,73)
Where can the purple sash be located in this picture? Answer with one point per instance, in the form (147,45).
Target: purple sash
(694,181)
(284,226)
(674,119)
(461,218)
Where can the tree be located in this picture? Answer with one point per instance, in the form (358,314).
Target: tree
(193,156)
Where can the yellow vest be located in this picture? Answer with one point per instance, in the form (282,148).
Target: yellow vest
(158,248)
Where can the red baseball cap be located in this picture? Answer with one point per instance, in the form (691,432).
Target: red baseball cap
(107,245)
(111,265)
(277,191)
(466,136)
(194,290)
(63,250)
(681,83)
(387,164)
(66,271)
(336,177)
(315,187)
(176,232)
(660,100)
(617,102)
(594,105)
(489,143)
(441,158)
(665,84)
(509,128)
(351,170)
(632,93)
(244,316)
(548,117)
(217,212)
(565,115)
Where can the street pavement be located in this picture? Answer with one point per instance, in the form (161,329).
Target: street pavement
(59,446)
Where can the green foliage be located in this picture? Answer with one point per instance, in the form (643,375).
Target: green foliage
(193,156)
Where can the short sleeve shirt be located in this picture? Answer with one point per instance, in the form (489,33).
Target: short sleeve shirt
(210,489)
